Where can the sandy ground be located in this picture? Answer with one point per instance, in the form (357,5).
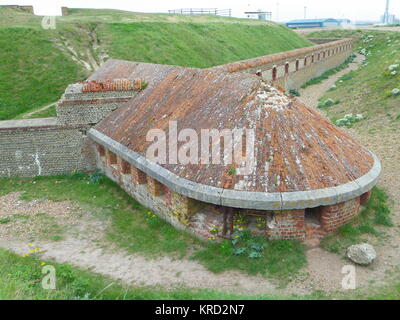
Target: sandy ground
(83,244)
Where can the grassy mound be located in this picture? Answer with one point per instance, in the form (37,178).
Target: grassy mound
(34,71)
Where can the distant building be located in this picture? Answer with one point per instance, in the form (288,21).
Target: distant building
(391,19)
(313,23)
(260,15)
(364,23)
(345,22)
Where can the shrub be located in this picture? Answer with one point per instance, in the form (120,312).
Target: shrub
(395,92)
(349,120)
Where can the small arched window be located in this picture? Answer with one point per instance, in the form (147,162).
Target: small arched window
(286,68)
(274,73)
(297,65)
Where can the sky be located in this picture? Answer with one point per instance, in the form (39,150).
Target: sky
(282,10)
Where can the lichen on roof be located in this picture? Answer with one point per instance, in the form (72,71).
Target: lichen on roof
(295,149)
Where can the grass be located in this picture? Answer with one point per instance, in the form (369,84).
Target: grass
(375,213)
(32,72)
(135,230)
(199,45)
(35,72)
(45,113)
(21,278)
(367,90)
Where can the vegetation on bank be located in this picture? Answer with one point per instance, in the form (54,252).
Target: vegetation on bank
(370,90)
(32,72)
(199,45)
(36,65)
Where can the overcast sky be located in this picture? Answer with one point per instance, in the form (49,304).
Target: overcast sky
(288,9)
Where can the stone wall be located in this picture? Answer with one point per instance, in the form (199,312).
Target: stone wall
(201,218)
(28,9)
(291,69)
(40,147)
(294,80)
(64,11)
(77,107)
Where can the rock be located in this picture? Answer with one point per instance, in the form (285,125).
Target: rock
(363,254)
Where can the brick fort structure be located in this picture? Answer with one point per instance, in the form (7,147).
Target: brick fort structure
(307,179)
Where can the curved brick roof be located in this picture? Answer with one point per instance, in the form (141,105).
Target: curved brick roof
(296,148)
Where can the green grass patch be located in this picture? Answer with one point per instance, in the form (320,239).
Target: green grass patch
(33,72)
(375,213)
(21,279)
(277,258)
(199,45)
(368,90)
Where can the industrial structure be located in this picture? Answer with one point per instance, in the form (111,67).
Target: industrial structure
(314,23)
(203,11)
(259,14)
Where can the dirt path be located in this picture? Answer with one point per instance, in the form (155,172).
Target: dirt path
(84,246)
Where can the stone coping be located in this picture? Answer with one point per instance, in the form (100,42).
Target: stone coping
(37,124)
(28,123)
(279,57)
(243,199)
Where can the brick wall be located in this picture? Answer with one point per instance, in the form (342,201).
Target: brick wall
(200,218)
(291,69)
(40,147)
(287,225)
(364,198)
(332,217)
(89,107)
